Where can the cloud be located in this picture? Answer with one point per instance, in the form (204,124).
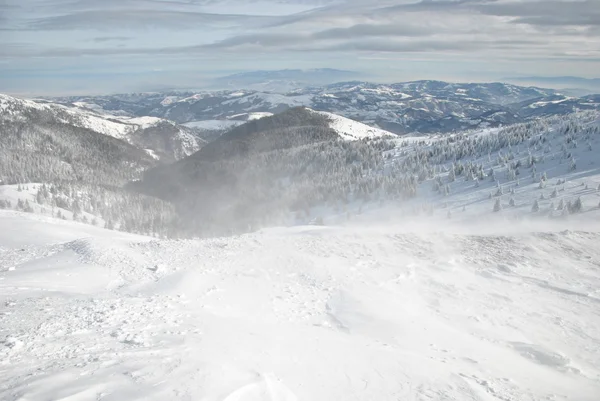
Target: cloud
(580,13)
(101,39)
(372,30)
(103,20)
(559,34)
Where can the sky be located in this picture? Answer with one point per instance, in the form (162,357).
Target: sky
(59,47)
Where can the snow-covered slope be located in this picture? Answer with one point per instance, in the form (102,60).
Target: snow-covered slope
(19,109)
(163,137)
(353,130)
(375,312)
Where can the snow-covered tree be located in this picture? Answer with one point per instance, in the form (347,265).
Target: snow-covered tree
(497,205)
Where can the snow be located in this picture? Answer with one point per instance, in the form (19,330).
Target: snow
(169,100)
(353,130)
(266,100)
(12,194)
(213,124)
(375,311)
(13,107)
(152,154)
(545,103)
(142,122)
(258,115)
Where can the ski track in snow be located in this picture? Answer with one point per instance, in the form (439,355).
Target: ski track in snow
(305,313)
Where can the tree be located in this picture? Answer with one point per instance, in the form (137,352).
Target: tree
(577,206)
(27,207)
(497,205)
(511,202)
(536,207)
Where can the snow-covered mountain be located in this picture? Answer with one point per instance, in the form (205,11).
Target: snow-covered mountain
(411,107)
(298,166)
(557,104)
(159,137)
(353,130)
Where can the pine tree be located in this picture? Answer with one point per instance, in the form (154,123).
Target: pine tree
(577,206)
(536,207)
(27,207)
(497,205)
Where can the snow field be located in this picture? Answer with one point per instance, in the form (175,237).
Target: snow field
(307,313)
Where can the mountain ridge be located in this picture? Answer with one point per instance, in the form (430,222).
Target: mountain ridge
(421,107)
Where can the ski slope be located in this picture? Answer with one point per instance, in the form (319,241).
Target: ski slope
(382,311)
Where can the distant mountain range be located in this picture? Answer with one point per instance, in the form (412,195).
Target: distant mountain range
(410,107)
(572,85)
(283,80)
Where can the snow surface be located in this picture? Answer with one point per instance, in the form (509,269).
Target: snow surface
(370,312)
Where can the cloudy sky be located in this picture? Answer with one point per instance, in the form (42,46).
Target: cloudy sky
(99,46)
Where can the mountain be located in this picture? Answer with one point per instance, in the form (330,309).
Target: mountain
(585,85)
(63,162)
(43,142)
(556,105)
(162,139)
(283,80)
(411,107)
(298,166)
(261,171)
(295,166)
